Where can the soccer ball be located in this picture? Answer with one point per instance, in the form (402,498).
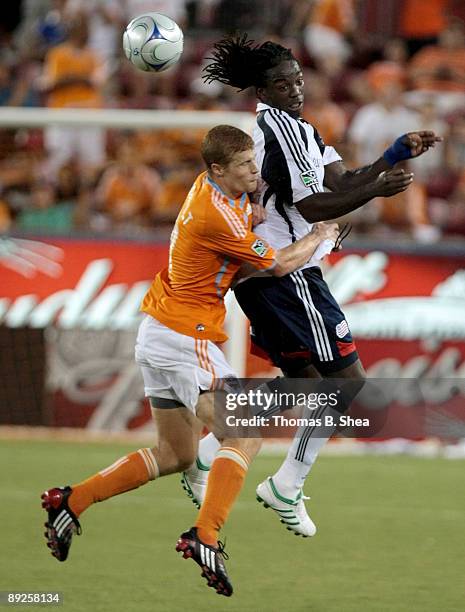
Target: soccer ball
(153,42)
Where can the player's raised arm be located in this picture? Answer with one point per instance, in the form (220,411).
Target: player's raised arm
(407,146)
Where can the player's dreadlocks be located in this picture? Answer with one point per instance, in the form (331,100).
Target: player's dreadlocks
(238,62)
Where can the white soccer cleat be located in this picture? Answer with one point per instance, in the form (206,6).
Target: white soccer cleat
(194,482)
(292,513)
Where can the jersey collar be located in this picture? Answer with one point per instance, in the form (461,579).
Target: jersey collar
(231,201)
(261,106)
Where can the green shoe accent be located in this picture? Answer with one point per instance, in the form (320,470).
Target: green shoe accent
(201,466)
(292,502)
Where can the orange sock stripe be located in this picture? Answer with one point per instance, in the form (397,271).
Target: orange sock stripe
(232,455)
(244,455)
(153,462)
(114,466)
(240,452)
(150,462)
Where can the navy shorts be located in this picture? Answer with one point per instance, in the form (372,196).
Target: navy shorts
(296,321)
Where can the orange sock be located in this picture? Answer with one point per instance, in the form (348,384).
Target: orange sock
(125,474)
(224,484)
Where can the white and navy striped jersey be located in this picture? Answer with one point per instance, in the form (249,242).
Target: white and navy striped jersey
(291,157)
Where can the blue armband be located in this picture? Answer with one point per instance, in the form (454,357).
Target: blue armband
(397,152)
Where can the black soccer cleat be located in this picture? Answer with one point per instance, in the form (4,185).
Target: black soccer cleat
(62,523)
(210,559)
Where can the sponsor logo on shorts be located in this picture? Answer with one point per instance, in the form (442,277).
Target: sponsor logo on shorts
(260,247)
(342,329)
(309,178)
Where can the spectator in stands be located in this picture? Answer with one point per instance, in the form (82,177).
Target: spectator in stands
(51,27)
(166,148)
(134,89)
(319,110)
(428,166)
(40,22)
(5,216)
(455,146)
(45,214)
(420,22)
(232,15)
(449,214)
(392,68)
(16,85)
(106,21)
(375,125)
(329,24)
(176,9)
(440,70)
(175,187)
(409,213)
(456,209)
(372,128)
(72,78)
(128,191)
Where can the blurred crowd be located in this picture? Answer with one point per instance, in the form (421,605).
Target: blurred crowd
(374,69)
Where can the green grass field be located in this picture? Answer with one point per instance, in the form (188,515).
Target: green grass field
(391,535)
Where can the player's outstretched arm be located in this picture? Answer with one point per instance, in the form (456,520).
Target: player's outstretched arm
(407,146)
(325,206)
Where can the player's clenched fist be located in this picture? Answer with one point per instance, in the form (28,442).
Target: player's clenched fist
(390,182)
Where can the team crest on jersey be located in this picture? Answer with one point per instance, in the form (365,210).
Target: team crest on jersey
(260,248)
(342,329)
(309,178)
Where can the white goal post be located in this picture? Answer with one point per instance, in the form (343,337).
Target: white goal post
(18,117)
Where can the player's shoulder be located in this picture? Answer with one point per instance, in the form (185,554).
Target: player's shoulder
(223,215)
(204,207)
(280,116)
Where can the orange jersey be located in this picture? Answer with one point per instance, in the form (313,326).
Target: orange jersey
(66,61)
(211,238)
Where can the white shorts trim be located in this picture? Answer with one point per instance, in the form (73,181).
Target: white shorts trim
(178,367)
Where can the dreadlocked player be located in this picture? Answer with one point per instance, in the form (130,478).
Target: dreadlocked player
(294,319)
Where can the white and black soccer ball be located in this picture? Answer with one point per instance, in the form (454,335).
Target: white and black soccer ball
(153,42)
